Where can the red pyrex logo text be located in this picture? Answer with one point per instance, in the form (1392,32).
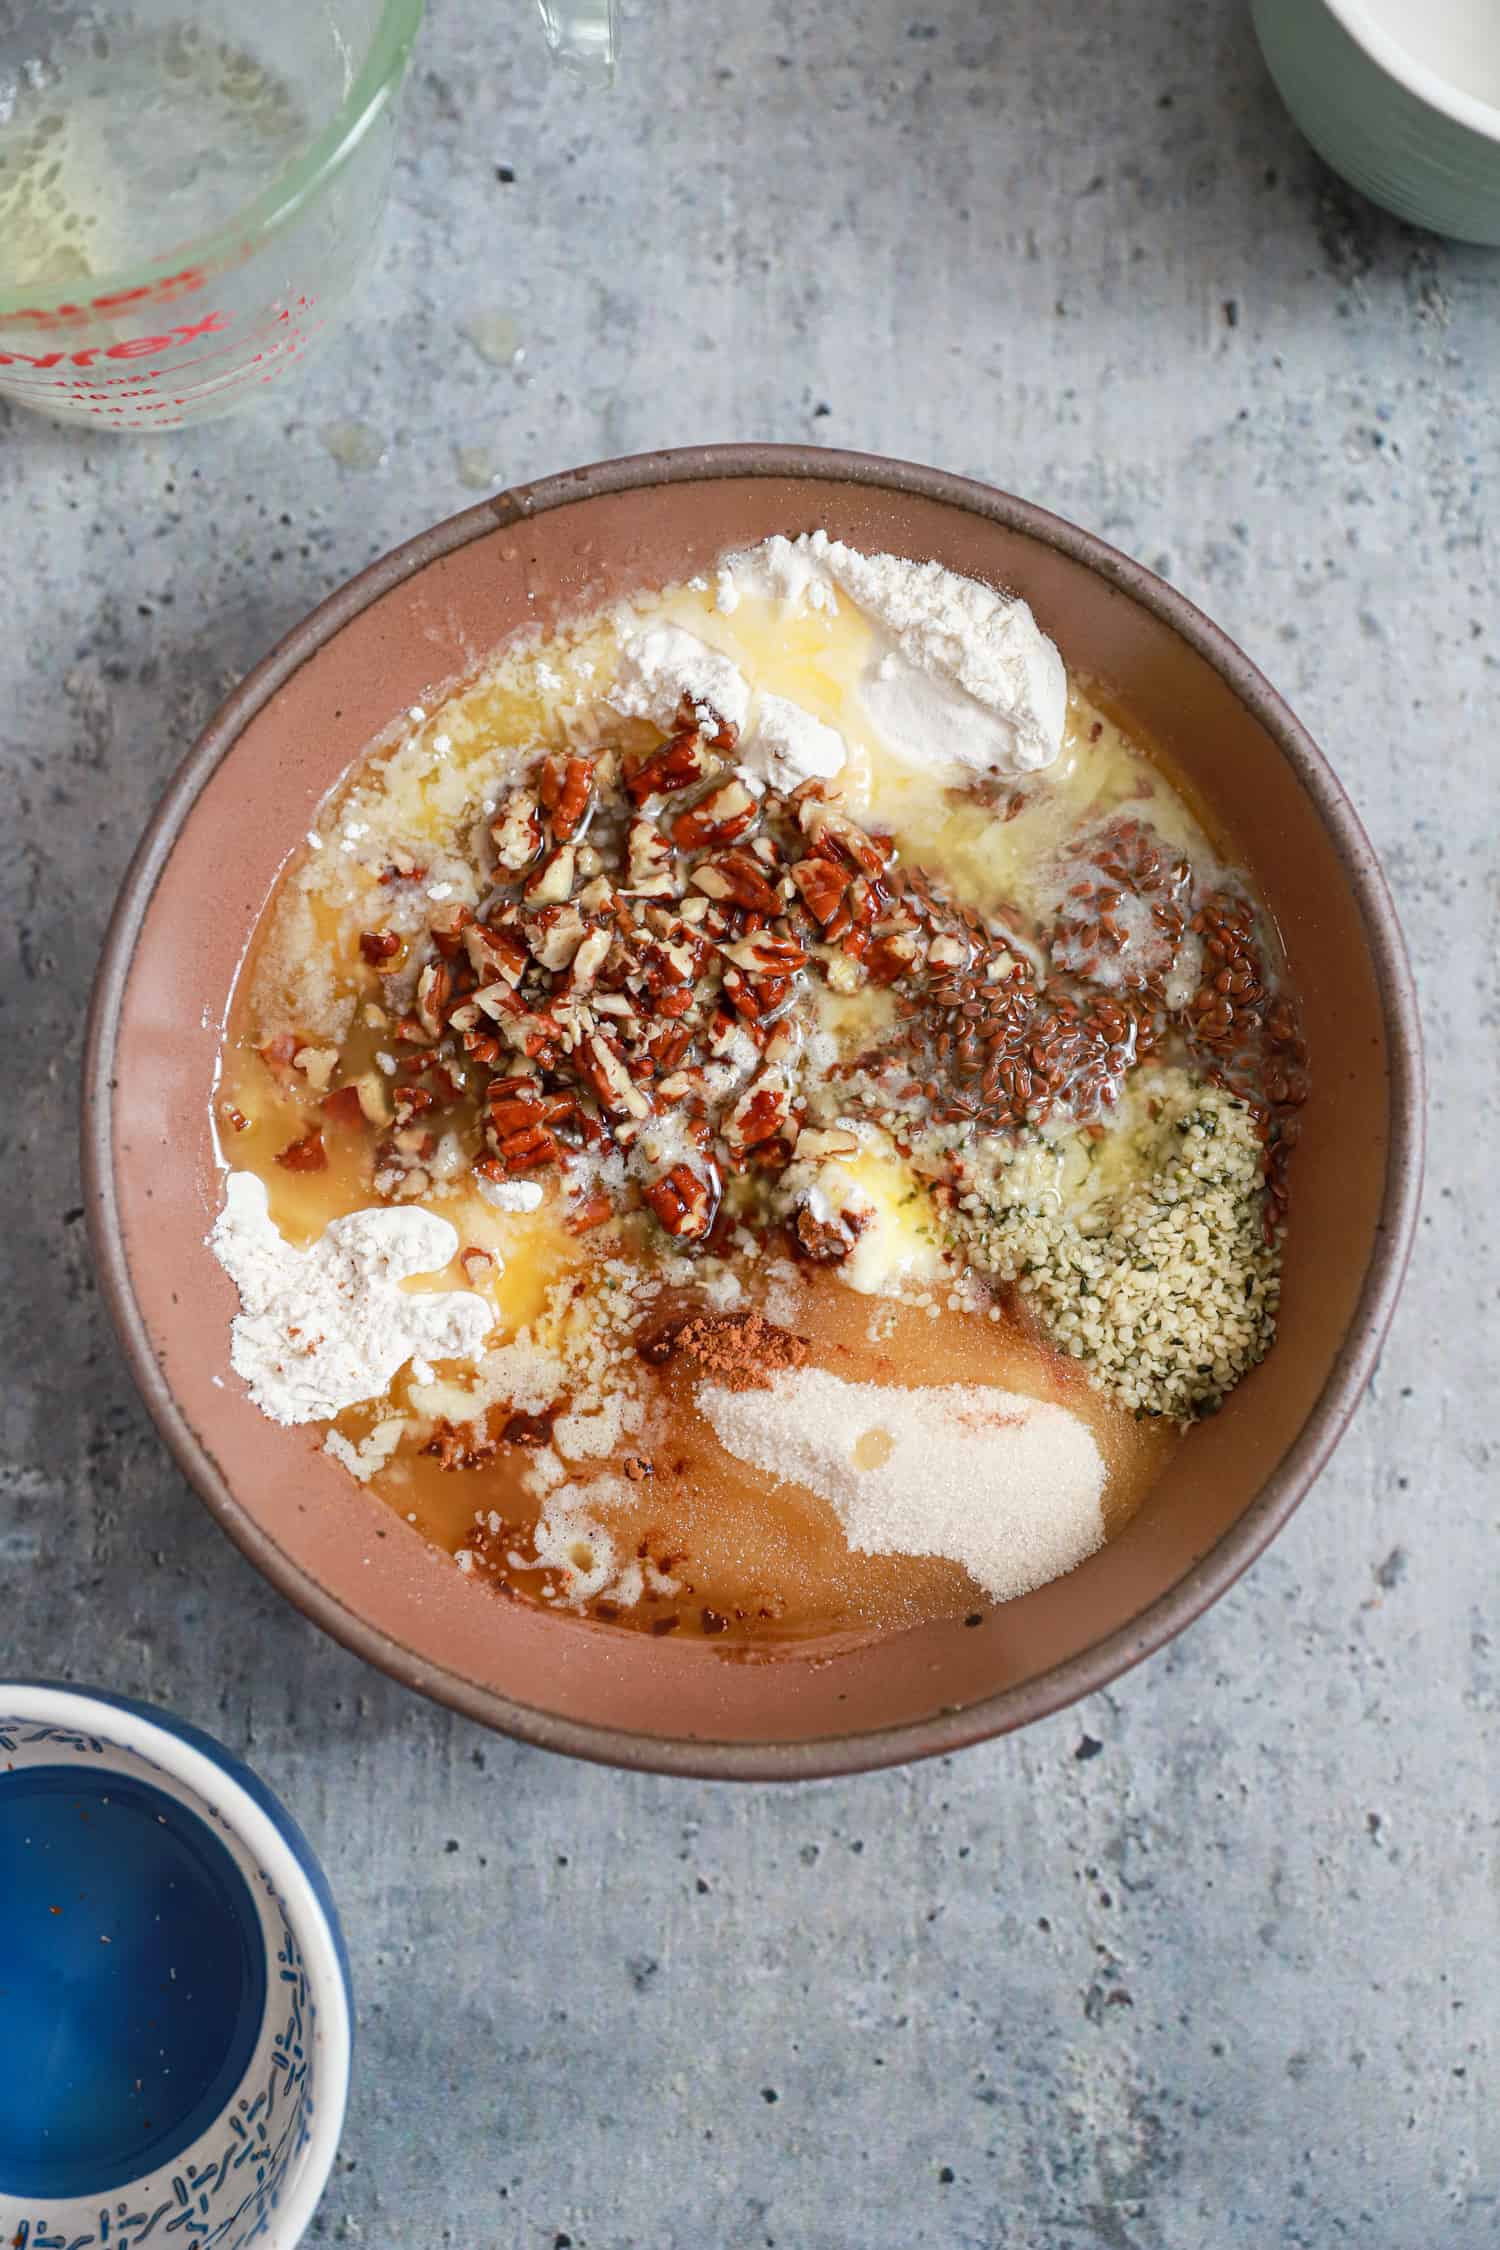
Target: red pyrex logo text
(139,347)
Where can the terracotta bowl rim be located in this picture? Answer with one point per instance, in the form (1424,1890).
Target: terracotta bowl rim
(1105,1659)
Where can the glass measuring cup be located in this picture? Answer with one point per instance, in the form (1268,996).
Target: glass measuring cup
(190,189)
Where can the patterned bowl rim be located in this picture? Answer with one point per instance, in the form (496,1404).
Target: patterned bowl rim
(1117,1651)
(254,1828)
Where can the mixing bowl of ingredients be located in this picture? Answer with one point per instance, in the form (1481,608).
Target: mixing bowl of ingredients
(753,1112)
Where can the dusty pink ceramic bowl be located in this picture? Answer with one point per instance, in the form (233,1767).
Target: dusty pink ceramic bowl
(416,623)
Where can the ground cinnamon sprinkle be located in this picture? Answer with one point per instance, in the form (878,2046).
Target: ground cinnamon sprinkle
(741,1350)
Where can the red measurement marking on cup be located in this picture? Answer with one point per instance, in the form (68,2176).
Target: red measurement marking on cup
(113,301)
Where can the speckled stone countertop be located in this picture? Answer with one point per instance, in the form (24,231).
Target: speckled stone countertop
(1209,1960)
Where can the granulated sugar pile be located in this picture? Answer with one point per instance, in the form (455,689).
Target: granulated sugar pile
(1010,1487)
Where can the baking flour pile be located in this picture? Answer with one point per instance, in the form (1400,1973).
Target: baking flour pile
(962,675)
(327,1327)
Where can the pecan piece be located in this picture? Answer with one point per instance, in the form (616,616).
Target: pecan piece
(722,817)
(764,954)
(891,957)
(517,831)
(555,935)
(343,1107)
(567,787)
(380,947)
(759,1114)
(591,1213)
(434,991)
(649,861)
(684,1202)
(306,1155)
(824,1241)
(550,884)
(681,760)
(736,879)
(834,832)
(448,928)
(601,1060)
(590,959)
(495,953)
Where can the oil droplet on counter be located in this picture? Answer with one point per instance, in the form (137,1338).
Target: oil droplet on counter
(354,445)
(478,466)
(495,337)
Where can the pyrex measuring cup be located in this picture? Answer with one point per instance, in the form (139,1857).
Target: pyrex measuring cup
(189,189)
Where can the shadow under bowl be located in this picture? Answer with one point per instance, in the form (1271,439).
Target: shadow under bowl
(420,621)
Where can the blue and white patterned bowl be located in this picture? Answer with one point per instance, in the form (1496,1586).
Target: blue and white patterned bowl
(173,1983)
(1400,96)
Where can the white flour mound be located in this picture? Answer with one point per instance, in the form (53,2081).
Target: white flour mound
(962,677)
(1008,1486)
(662,665)
(786,745)
(326,1327)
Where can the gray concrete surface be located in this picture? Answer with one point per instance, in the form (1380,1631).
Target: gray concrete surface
(1210,1960)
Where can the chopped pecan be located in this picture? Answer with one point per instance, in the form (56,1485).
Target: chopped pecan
(448,928)
(888,958)
(825,1141)
(722,817)
(821,885)
(695,711)
(343,1108)
(832,831)
(682,759)
(517,831)
(601,1059)
(534,1035)
(650,864)
(760,1113)
(550,884)
(500,1002)
(591,1213)
(685,1202)
(529,1429)
(434,991)
(825,1240)
(317,1065)
(764,954)
(374,1097)
(554,935)
(736,877)
(380,947)
(306,1155)
(495,953)
(460,1445)
(669,1043)
(590,958)
(567,786)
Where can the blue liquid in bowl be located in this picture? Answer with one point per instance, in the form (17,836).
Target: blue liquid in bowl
(132,1980)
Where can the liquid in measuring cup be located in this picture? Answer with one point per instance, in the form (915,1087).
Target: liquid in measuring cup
(188,194)
(129,137)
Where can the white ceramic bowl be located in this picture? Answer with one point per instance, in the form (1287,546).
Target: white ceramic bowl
(178,2010)
(1400,96)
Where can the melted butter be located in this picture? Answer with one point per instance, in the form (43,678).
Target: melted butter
(818,660)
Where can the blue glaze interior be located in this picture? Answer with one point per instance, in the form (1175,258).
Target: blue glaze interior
(116,2055)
